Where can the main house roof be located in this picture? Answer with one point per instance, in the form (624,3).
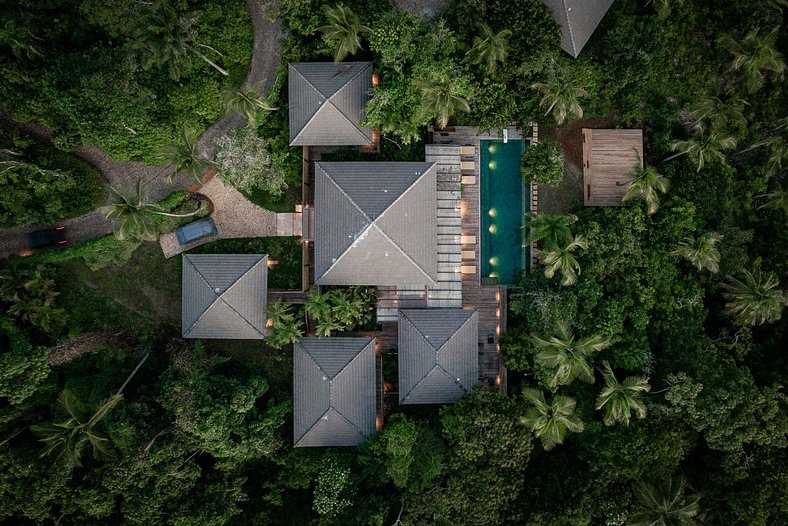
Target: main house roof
(438,354)
(333,391)
(224,295)
(327,103)
(376,224)
(578,20)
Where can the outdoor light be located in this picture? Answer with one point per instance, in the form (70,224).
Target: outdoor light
(494,261)
(493,229)
(491,165)
(491,148)
(494,275)
(493,212)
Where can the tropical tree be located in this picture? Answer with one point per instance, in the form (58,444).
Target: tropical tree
(561,96)
(701,252)
(31,294)
(704,146)
(777,200)
(247,102)
(663,504)
(620,400)
(185,157)
(662,7)
(718,111)
(775,144)
(489,48)
(67,439)
(440,98)
(561,259)
(566,357)
(344,29)
(133,218)
(318,305)
(549,230)
(756,299)
(755,56)
(283,326)
(165,39)
(550,422)
(343,308)
(646,184)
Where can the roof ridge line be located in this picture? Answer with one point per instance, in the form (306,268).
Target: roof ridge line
(345,85)
(313,425)
(407,256)
(451,377)
(464,323)
(187,258)
(423,336)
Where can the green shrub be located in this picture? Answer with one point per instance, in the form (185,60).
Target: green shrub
(543,163)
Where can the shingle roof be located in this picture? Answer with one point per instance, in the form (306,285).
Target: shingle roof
(376,224)
(578,20)
(327,103)
(333,391)
(438,354)
(224,295)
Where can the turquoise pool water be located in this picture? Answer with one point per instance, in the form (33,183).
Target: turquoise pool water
(502,207)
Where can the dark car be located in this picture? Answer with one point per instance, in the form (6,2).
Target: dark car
(54,237)
(196,230)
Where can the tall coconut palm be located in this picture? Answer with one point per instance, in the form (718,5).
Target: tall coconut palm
(68,439)
(777,200)
(561,259)
(165,39)
(756,299)
(561,96)
(344,29)
(701,252)
(776,145)
(133,218)
(704,146)
(620,400)
(247,102)
(720,112)
(755,56)
(646,184)
(567,357)
(286,330)
(318,305)
(550,422)
(549,230)
(326,326)
(440,98)
(663,504)
(489,48)
(185,157)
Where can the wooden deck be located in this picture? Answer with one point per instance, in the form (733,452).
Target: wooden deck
(608,157)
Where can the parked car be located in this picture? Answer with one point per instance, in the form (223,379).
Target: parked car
(196,230)
(53,237)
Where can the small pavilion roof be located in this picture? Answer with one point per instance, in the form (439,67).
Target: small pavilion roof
(609,156)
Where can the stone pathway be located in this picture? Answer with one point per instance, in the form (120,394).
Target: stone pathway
(124,175)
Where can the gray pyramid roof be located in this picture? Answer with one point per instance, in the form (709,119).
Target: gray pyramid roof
(224,295)
(333,391)
(438,354)
(376,224)
(578,20)
(327,103)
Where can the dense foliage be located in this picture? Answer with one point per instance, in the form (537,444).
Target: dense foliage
(646,363)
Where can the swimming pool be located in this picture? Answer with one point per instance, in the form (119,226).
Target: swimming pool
(503,204)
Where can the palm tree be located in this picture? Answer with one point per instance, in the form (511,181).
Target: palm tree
(326,326)
(701,252)
(185,157)
(344,28)
(663,504)
(439,99)
(552,422)
(778,153)
(489,47)
(283,327)
(756,299)
(561,96)
(567,357)
(343,308)
(318,305)
(247,102)
(646,183)
(704,146)
(68,438)
(754,56)
(276,311)
(562,259)
(133,218)
(720,112)
(777,200)
(550,230)
(662,7)
(165,39)
(619,400)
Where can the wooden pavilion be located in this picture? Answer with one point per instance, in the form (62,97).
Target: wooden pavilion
(609,156)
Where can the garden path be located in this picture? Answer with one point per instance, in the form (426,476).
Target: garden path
(124,175)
